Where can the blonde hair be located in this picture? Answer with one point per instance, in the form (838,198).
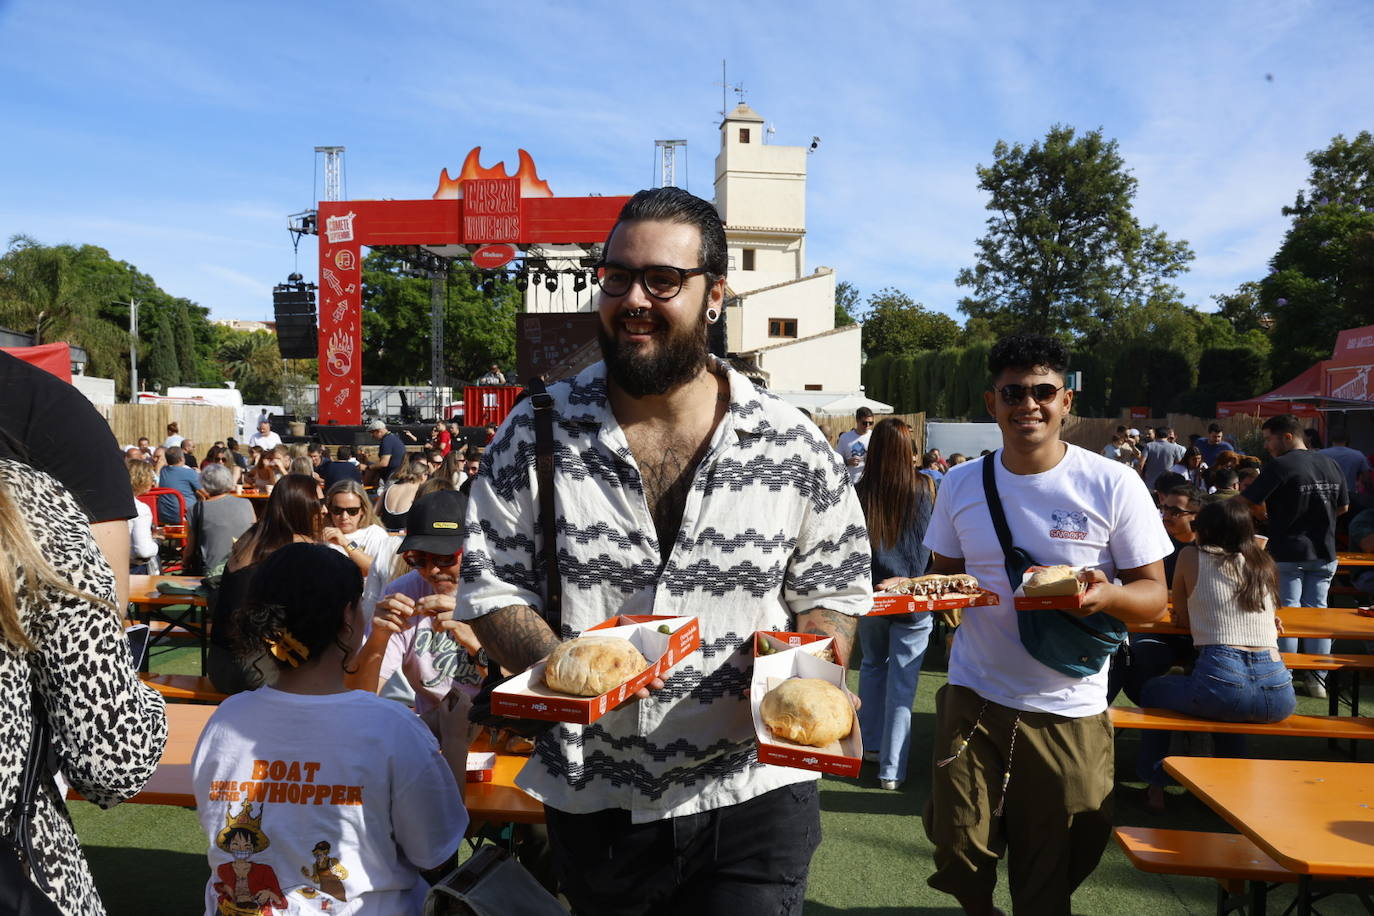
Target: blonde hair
(140,475)
(22,561)
(368,517)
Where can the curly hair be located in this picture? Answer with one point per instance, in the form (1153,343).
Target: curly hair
(301,590)
(1028,351)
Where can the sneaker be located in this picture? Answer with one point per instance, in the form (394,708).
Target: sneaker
(891,785)
(1315,687)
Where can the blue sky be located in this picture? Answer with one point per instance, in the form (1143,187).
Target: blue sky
(180,135)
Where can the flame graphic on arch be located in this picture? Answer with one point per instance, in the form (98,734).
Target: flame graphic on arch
(531,185)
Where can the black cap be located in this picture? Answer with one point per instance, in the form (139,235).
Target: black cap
(435,523)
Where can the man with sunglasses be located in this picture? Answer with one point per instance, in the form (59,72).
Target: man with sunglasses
(1023,750)
(853,444)
(413,628)
(680,489)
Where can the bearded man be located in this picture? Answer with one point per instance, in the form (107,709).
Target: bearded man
(680,490)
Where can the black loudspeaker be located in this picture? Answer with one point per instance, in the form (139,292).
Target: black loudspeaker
(298,336)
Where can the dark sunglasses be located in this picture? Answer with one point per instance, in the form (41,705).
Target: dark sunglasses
(1042,393)
(420,559)
(1174,511)
(345,510)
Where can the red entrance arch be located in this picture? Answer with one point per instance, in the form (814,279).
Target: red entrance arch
(493,207)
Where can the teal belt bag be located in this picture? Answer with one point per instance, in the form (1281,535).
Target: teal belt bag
(1072,645)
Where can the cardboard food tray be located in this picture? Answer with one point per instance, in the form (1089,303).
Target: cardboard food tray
(527,696)
(909,604)
(1055,603)
(481,766)
(840,758)
(781,642)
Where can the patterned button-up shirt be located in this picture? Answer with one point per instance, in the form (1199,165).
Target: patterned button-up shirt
(771,528)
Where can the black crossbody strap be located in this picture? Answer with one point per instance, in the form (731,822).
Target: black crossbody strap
(542,402)
(999,518)
(26,805)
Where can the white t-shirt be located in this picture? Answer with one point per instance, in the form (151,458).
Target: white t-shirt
(1085,511)
(265,440)
(352,770)
(853,445)
(173,441)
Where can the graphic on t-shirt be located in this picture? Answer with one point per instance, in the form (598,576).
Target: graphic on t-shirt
(1069,524)
(327,873)
(449,660)
(858,450)
(245,887)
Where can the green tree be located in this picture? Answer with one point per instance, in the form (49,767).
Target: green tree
(252,360)
(896,324)
(1341,173)
(846,303)
(1063,253)
(159,368)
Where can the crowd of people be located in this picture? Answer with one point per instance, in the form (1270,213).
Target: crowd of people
(679,489)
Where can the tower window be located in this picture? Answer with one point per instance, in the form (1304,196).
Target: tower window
(744,135)
(748,259)
(782,327)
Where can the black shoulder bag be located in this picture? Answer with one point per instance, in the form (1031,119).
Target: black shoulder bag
(552,611)
(24,887)
(1072,645)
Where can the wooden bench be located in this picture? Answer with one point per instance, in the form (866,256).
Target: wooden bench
(1242,870)
(186,687)
(1355,664)
(1334,728)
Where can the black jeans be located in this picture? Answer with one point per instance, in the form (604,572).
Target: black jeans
(749,859)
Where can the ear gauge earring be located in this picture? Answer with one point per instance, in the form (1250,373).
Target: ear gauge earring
(712,315)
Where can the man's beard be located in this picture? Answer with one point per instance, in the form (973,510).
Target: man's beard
(676,359)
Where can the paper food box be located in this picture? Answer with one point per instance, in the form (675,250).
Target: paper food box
(767,642)
(840,758)
(1048,602)
(481,766)
(527,696)
(885,603)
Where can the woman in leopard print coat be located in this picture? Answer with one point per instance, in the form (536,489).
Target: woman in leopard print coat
(60,636)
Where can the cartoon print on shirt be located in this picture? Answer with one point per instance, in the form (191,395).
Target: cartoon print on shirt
(1069,524)
(245,887)
(450,660)
(326,872)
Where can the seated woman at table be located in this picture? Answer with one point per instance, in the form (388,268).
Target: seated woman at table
(352,526)
(214,523)
(265,473)
(63,651)
(1225,591)
(142,548)
(293,514)
(334,796)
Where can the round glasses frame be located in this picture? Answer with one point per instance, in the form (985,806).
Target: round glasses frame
(659,281)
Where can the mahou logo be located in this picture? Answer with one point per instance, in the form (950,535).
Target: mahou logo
(338,355)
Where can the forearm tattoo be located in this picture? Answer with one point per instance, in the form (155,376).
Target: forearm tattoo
(842,627)
(515,636)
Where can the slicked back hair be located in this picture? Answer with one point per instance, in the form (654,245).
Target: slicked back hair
(1028,351)
(674,205)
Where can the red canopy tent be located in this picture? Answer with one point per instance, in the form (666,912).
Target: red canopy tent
(1273,403)
(1338,383)
(54,357)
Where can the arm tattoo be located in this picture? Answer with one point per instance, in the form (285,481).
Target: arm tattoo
(515,636)
(826,622)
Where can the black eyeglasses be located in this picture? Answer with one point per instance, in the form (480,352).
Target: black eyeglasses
(1174,511)
(1042,393)
(659,281)
(345,510)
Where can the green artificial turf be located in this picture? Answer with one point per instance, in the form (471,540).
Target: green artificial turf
(873,861)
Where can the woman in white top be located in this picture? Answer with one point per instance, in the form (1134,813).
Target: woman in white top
(142,547)
(352,525)
(1193,469)
(1225,591)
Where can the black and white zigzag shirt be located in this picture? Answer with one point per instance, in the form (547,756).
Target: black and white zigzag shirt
(771,528)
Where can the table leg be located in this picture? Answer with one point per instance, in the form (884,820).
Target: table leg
(1304,900)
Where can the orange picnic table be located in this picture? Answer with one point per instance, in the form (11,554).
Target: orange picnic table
(1351,558)
(1314,817)
(152,607)
(498,801)
(1305,622)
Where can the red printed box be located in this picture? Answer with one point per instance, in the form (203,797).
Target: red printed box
(527,696)
(781,642)
(909,604)
(1048,602)
(840,758)
(481,766)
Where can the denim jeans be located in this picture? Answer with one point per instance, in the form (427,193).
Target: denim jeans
(1304,583)
(893,647)
(1229,685)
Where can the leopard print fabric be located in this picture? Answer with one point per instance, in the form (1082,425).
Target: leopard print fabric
(108,729)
